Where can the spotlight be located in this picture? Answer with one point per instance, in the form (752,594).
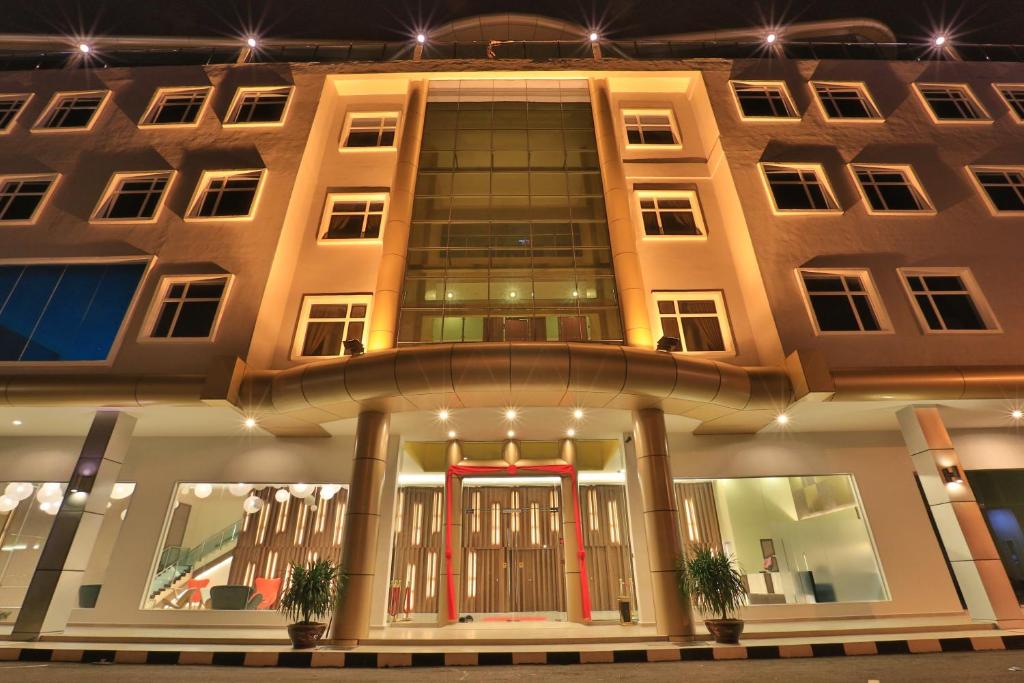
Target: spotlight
(511,434)
(452,434)
(251,42)
(668,344)
(1015,414)
(512,295)
(939,40)
(578,413)
(951,475)
(594,37)
(782,419)
(421,38)
(771,38)
(353,347)
(443,415)
(250,422)
(84,48)
(511,414)
(570,432)
(17,423)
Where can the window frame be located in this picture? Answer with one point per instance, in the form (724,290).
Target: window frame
(973,290)
(820,175)
(333,197)
(972,170)
(721,312)
(203,185)
(870,290)
(912,180)
(236,104)
(865,93)
(302,323)
(346,129)
(794,113)
(116,179)
(57,98)
(160,294)
(44,200)
(984,118)
(695,209)
(1016,86)
(26,98)
(157,98)
(651,111)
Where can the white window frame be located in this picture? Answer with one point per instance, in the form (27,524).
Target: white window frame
(236,104)
(59,97)
(973,290)
(870,290)
(651,111)
(695,209)
(984,118)
(794,113)
(912,180)
(999,87)
(308,301)
(865,96)
(203,185)
(157,100)
(992,208)
(25,98)
(353,115)
(325,218)
(54,178)
(114,184)
(820,175)
(163,287)
(718,297)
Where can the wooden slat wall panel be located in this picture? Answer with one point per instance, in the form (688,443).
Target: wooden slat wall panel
(418,543)
(698,514)
(603,513)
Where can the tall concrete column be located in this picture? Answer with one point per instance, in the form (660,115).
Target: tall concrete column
(622,234)
(395,242)
(362,523)
(386,538)
(53,590)
(672,612)
(959,519)
(453,456)
(570,546)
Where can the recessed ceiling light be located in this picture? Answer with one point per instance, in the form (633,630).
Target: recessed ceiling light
(443,415)
(17,423)
(782,418)
(1015,414)
(251,42)
(578,413)
(770,38)
(511,434)
(250,422)
(940,40)
(570,432)
(511,414)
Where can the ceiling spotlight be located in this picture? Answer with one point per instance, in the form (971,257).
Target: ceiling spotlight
(421,38)
(452,434)
(250,422)
(443,415)
(511,414)
(511,434)
(782,419)
(593,37)
(251,42)
(1015,414)
(570,432)
(771,38)
(512,295)
(17,423)
(940,40)
(578,413)
(84,48)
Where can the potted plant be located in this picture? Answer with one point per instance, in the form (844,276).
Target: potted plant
(710,578)
(312,595)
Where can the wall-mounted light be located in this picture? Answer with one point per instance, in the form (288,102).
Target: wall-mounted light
(421,38)
(251,42)
(594,37)
(452,434)
(570,432)
(952,475)
(939,40)
(511,434)
(84,48)
(771,38)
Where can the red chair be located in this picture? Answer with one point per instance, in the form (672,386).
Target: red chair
(268,589)
(197,597)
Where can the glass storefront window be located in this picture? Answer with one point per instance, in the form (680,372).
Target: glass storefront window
(27,510)
(231,546)
(796,539)
(1000,494)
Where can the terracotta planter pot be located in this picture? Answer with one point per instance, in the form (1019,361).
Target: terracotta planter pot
(305,636)
(725,631)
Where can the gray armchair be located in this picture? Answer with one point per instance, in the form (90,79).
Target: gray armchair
(230,597)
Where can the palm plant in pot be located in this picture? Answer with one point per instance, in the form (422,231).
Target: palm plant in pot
(709,577)
(311,596)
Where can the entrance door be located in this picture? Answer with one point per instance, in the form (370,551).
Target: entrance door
(512,561)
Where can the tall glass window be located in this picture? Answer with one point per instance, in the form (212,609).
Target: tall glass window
(509,239)
(1000,494)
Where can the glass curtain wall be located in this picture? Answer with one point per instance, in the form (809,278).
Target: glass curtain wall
(509,239)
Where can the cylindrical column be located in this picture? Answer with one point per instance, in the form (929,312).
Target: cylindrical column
(628,278)
(362,523)
(395,242)
(672,612)
(570,546)
(453,456)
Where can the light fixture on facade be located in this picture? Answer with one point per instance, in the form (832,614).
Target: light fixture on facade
(511,414)
(782,419)
(594,37)
(84,48)
(511,434)
(771,38)
(578,414)
(251,42)
(452,434)
(513,294)
(570,432)
(16,423)
(1017,413)
(421,38)
(250,422)
(939,40)
(951,475)
(443,415)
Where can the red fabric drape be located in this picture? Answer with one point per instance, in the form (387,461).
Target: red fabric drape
(512,470)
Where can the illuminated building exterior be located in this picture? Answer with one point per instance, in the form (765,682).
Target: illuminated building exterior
(559,308)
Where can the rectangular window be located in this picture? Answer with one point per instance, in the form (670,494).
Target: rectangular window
(947,301)
(22,197)
(798,188)
(764,100)
(133,196)
(370,130)
(891,189)
(696,319)
(671,214)
(1003,188)
(650,128)
(176,107)
(64,312)
(188,308)
(842,101)
(326,322)
(226,194)
(72,111)
(11,107)
(842,301)
(1013,95)
(951,102)
(258,106)
(352,217)
(1000,494)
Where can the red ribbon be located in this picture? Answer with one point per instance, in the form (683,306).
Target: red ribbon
(463,470)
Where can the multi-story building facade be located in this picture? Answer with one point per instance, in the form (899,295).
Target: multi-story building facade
(505,321)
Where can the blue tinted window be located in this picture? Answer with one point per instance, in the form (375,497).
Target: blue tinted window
(60,312)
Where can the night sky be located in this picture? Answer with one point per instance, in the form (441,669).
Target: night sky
(967,20)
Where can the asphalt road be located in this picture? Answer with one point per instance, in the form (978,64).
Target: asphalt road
(959,667)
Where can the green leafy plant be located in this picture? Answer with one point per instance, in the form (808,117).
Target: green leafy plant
(710,577)
(314,591)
